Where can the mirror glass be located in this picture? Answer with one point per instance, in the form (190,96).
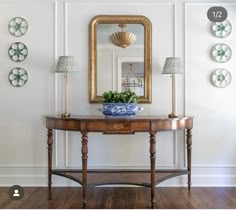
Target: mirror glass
(120,56)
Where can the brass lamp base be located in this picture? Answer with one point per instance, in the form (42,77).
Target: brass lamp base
(65,115)
(172,115)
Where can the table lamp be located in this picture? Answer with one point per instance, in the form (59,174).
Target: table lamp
(173,66)
(66,64)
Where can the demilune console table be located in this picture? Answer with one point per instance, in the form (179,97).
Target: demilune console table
(86,124)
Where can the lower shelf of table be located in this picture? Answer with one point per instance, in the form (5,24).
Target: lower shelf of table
(119,177)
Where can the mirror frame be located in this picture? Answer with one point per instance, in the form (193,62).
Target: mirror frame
(117,19)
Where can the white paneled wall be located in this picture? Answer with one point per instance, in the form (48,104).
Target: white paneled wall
(22,146)
(213,108)
(61,28)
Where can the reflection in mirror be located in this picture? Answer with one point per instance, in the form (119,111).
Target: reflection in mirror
(132,78)
(120,56)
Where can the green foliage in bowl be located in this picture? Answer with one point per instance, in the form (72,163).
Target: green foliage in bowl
(122,97)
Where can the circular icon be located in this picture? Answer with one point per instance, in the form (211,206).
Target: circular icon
(18,77)
(18,26)
(221,29)
(221,53)
(217,14)
(18,51)
(16,192)
(221,78)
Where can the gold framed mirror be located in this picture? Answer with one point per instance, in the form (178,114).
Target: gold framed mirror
(120,56)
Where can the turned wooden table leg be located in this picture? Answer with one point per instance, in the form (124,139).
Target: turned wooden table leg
(189,151)
(84,151)
(153,167)
(50,143)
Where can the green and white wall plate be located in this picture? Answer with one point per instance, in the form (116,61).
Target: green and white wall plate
(221,53)
(18,77)
(18,52)
(221,29)
(18,26)
(221,78)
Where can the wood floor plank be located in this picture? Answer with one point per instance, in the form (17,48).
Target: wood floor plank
(122,198)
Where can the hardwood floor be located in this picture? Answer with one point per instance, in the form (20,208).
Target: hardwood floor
(119,198)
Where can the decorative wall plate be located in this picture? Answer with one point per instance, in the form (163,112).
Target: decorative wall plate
(18,77)
(221,29)
(221,53)
(18,52)
(221,78)
(18,26)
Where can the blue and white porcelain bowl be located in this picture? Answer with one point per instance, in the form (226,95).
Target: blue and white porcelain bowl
(120,109)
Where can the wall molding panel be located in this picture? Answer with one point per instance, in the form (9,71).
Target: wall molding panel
(70,7)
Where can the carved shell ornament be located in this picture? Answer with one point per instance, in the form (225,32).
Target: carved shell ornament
(122,38)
